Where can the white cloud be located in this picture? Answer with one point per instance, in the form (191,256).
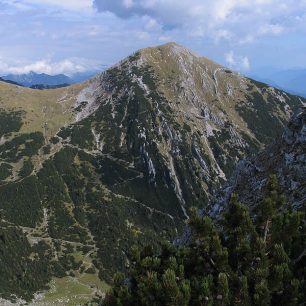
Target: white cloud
(223,34)
(66,66)
(241,21)
(16,4)
(248,39)
(143,35)
(151,23)
(274,29)
(229,57)
(240,63)
(245,63)
(128,3)
(164,38)
(111,30)
(74,5)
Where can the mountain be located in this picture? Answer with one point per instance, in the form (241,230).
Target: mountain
(9,82)
(291,80)
(286,159)
(83,76)
(119,160)
(45,81)
(250,253)
(33,78)
(48,86)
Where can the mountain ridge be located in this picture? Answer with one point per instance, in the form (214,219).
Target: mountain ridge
(290,80)
(251,251)
(285,159)
(33,78)
(122,158)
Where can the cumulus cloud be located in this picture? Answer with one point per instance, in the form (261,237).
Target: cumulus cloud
(230,60)
(108,30)
(274,29)
(240,63)
(74,5)
(241,20)
(122,8)
(143,35)
(66,66)
(245,63)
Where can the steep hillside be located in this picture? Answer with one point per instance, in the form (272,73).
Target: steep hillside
(45,111)
(88,170)
(286,159)
(252,252)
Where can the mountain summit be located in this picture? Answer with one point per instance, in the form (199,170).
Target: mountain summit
(119,160)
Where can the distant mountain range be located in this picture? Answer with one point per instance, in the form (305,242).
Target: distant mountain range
(291,80)
(34,78)
(43,80)
(9,82)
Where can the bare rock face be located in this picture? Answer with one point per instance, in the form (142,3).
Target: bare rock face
(286,158)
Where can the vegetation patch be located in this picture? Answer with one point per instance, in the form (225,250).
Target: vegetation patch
(240,261)
(5,171)
(23,145)
(26,169)
(30,269)
(11,121)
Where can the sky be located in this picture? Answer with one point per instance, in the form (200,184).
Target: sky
(71,36)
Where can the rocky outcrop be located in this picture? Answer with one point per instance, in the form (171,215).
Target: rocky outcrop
(286,158)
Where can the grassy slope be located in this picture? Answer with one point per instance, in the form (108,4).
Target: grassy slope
(45,110)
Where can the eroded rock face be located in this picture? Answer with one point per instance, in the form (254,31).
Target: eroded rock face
(286,158)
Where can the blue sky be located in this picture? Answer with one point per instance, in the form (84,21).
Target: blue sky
(69,36)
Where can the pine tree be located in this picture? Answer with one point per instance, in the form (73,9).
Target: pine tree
(238,261)
(222,298)
(204,295)
(119,294)
(149,289)
(261,294)
(174,294)
(269,206)
(238,230)
(242,298)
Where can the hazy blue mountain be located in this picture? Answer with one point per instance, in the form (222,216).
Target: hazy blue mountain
(33,78)
(83,76)
(46,81)
(291,80)
(9,82)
